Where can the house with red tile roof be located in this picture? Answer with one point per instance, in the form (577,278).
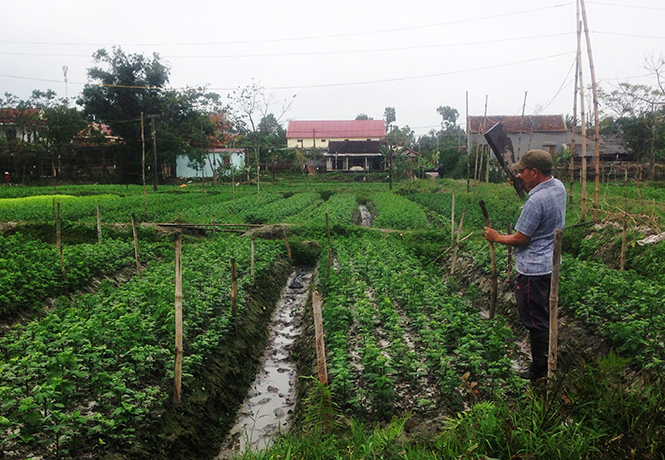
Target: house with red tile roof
(20,124)
(351,145)
(544,132)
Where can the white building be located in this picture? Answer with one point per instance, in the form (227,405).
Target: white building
(212,161)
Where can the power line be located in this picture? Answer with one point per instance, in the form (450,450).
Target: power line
(324,85)
(628,6)
(311,53)
(313,37)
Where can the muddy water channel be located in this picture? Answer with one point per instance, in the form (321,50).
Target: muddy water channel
(365,216)
(271,399)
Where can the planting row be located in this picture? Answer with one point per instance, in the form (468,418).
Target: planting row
(98,364)
(393,326)
(31,270)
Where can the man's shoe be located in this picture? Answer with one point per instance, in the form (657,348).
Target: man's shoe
(533,374)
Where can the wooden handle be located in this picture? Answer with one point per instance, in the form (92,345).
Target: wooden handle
(485,214)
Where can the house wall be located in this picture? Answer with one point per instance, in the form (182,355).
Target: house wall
(308,143)
(185,168)
(529,141)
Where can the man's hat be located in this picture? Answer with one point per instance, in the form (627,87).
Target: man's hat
(538,159)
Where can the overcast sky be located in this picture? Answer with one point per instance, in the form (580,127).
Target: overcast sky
(344,57)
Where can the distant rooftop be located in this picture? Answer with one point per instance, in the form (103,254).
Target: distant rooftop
(517,124)
(336,129)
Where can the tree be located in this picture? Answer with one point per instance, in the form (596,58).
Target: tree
(124,86)
(362,116)
(389,117)
(449,117)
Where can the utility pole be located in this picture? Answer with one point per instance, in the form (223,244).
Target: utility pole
(154,154)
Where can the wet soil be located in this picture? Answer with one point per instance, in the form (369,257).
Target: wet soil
(269,404)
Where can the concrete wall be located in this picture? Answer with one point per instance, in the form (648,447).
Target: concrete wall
(184,168)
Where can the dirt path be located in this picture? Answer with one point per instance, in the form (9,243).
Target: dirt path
(271,399)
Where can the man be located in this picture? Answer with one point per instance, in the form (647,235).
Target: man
(543,212)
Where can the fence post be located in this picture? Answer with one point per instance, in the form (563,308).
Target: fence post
(177,376)
(136,245)
(99,225)
(554,304)
(234,287)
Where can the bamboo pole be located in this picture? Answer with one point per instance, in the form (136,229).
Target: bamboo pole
(145,192)
(554,305)
(573,134)
(623,242)
(58,232)
(480,165)
(251,269)
(234,287)
(456,245)
(154,154)
(320,344)
(510,257)
(329,260)
(328,229)
(594,91)
(495,284)
(99,225)
(582,118)
(468,145)
(177,374)
(136,245)
(487,166)
(519,135)
(288,248)
(452,223)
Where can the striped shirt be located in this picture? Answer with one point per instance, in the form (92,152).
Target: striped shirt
(543,212)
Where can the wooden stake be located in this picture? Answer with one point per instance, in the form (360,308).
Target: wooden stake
(623,242)
(582,115)
(468,146)
(456,245)
(177,376)
(452,223)
(234,287)
(572,137)
(99,225)
(554,304)
(154,154)
(328,229)
(329,260)
(58,232)
(510,257)
(495,283)
(318,333)
(487,166)
(288,248)
(145,192)
(252,259)
(594,91)
(136,245)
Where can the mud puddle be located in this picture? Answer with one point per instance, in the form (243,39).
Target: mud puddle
(271,399)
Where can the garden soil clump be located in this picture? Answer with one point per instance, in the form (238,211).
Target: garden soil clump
(195,428)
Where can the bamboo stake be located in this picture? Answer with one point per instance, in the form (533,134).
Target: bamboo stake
(320,344)
(480,165)
(136,245)
(58,232)
(456,245)
(468,146)
(251,269)
(493,257)
(177,375)
(234,287)
(288,248)
(487,166)
(572,137)
(329,260)
(623,242)
(99,225)
(554,305)
(582,115)
(328,229)
(594,91)
(510,257)
(519,135)
(145,192)
(475,170)
(452,223)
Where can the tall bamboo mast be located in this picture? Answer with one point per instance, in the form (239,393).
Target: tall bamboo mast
(572,137)
(595,110)
(582,114)
(519,136)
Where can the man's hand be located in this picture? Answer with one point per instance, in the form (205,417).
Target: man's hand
(491,234)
